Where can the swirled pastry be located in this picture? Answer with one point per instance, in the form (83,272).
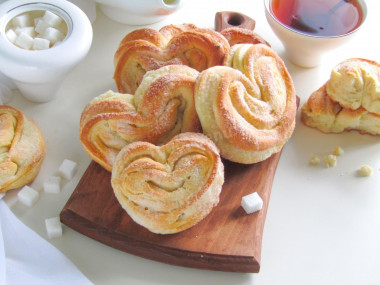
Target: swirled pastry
(247,107)
(162,107)
(22,149)
(170,188)
(148,49)
(330,117)
(350,100)
(242,36)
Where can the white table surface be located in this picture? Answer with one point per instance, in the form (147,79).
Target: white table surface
(323,224)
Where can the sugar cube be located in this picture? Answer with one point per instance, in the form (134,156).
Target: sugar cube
(53,227)
(24,41)
(28,196)
(252,203)
(52,184)
(11,35)
(67,169)
(52,19)
(53,35)
(27,30)
(41,26)
(22,20)
(40,44)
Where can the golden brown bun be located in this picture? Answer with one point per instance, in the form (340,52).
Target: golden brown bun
(148,49)
(330,117)
(22,149)
(162,107)
(170,188)
(355,83)
(242,36)
(247,107)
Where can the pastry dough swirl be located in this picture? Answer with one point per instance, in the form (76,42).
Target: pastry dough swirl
(22,149)
(247,107)
(162,107)
(148,49)
(170,188)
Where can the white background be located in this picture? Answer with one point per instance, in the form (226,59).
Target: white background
(323,224)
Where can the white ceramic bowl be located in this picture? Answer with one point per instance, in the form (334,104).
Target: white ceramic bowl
(38,74)
(138,12)
(304,49)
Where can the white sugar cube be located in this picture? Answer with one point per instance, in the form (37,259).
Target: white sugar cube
(11,35)
(53,35)
(27,30)
(53,227)
(28,196)
(52,19)
(22,20)
(252,203)
(67,169)
(41,26)
(40,44)
(24,41)
(52,184)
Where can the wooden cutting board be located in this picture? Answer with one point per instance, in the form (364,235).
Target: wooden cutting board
(228,239)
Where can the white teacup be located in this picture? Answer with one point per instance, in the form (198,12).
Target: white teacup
(302,48)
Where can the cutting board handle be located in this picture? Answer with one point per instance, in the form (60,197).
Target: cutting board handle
(229,19)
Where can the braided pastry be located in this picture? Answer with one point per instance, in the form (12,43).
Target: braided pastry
(170,188)
(247,107)
(162,107)
(22,149)
(148,49)
(350,100)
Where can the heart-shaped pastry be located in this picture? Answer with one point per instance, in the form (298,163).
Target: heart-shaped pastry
(22,149)
(147,49)
(162,107)
(247,107)
(169,188)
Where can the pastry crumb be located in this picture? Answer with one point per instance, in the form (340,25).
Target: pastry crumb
(330,160)
(366,170)
(314,160)
(338,151)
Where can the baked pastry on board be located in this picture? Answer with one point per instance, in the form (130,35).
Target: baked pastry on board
(162,107)
(169,188)
(147,49)
(349,100)
(248,106)
(22,149)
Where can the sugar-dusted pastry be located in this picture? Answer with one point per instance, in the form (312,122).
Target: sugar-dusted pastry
(242,36)
(330,117)
(169,188)
(22,149)
(355,83)
(247,107)
(147,49)
(349,100)
(162,107)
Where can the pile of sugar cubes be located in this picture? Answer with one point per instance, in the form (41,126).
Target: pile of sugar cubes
(52,184)
(36,30)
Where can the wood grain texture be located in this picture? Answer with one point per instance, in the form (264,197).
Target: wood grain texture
(228,239)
